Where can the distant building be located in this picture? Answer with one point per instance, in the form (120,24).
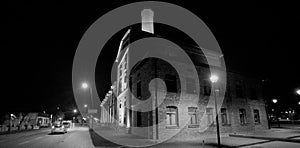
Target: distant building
(186,107)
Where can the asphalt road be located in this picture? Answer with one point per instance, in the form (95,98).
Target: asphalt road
(77,137)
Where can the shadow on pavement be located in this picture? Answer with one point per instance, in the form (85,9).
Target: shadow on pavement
(56,133)
(100,141)
(188,144)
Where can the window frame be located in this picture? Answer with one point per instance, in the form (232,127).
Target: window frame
(258,116)
(210,115)
(172,110)
(243,112)
(192,111)
(226,116)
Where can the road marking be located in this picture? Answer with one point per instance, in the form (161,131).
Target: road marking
(23,142)
(38,138)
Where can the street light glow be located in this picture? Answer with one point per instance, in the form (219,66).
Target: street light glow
(85,105)
(274,100)
(75,110)
(214,78)
(84,85)
(298,91)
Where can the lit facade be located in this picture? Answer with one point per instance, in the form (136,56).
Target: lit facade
(184,105)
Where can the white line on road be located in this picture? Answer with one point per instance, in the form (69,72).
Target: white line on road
(23,142)
(38,138)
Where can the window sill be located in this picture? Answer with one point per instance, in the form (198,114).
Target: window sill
(172,127)
(226,124)
(193,126)
(245,124)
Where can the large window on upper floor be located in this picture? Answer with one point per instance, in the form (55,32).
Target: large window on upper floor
(239,89)
(171,84)
(205,87)
(190,86)
(253,94)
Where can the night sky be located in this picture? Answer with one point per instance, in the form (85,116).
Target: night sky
(39,40)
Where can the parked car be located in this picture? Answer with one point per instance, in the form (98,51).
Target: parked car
(58,128)
(66,124)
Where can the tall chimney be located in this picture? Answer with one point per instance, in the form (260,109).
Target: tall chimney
(147,20)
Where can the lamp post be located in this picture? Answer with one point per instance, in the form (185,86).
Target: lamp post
(214,79)
(276,112)
(74,111)
(85,85)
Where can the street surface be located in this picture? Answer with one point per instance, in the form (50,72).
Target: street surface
(80,137)
(77,137)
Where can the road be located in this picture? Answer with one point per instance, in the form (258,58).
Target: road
(77,137)
(80,137)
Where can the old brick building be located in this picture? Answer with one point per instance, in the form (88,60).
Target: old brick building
(183,93)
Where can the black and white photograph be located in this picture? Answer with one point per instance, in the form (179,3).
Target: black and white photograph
(153,74)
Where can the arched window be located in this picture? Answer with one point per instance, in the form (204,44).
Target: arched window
(171,116)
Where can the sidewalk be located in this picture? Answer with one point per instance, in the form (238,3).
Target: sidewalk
(108,137)
(274,134)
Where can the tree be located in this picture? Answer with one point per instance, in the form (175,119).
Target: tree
(21,120)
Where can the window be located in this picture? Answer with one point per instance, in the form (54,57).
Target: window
(138,89)
(171,116)
(239,89)
(193,116)
(228,91)
(205,88)
(190,85)
(243,118)
(253,94)
(224,116)
(256,116)
(170,81)
(209,113)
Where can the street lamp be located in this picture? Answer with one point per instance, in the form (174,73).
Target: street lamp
(214,79)
(275,101)
(298,92)
(75,111)
(85,85)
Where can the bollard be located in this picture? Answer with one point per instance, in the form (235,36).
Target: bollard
(203,144)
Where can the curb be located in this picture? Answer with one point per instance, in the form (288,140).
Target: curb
(289,139)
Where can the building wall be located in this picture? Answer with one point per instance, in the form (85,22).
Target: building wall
(232,102)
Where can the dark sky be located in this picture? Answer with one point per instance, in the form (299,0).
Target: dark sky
(39,40)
